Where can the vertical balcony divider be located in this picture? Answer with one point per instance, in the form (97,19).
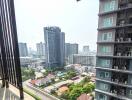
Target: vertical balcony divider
(10,70)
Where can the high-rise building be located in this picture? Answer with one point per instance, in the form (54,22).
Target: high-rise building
(54,46)
(40,49)
(23,49)
(114,51)
(85,49)
(10,71)
(70,49)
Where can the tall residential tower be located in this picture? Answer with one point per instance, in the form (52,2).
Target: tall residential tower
(23,49)
(54,46)
(40,49)
(114,51)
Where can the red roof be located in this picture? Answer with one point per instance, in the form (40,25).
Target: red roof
(33,82)
(84,97)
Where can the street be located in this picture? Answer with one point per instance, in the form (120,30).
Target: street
(35,91)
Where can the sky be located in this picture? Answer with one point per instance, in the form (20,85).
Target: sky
(79,20)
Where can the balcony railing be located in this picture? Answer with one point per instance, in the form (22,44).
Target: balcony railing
(116,80)
(114,94)
(120,67)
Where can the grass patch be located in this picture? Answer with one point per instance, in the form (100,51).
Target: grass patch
(31,94)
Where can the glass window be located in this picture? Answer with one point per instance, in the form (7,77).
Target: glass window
(105,49)
(103,86)
(104,74)
(107,36)
(105,63)
(112,5)
(109,6)
(104,37)
(130,92)
(107,22)
(107,74)
(102,97)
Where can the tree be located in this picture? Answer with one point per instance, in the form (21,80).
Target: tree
(27,73)
(76,92)
(71,74)
(86,80)
(65,95)
(86,89)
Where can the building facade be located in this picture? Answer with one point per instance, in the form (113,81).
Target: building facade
(40,49)
(70,49)
(54,46)
(23,50)
(114,51)
(83,59)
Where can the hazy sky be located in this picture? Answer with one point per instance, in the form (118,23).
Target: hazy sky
(77,19)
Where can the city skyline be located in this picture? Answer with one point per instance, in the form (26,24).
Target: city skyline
(76,19)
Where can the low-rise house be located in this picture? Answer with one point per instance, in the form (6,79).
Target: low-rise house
(57,86)
(85,97)
(68,67)
(44,80)
(62,90)
(38,75)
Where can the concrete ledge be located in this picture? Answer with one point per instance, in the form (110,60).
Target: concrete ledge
(17,93)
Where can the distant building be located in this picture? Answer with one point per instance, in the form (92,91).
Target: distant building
(54,46)
(86,49)
(40,49)
(23,49)
(70,49)
(83,59)
(78,68)
(26,61)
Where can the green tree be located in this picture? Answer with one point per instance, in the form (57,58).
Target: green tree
(71,74)
(76,92)
(65,96)
(86,80)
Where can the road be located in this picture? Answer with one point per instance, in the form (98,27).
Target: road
(35,91)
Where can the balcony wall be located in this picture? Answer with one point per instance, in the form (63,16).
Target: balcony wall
(101,36)
(105,53)
(97,96)
(104,63)
(102,86)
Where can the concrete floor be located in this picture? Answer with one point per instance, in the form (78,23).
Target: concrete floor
(8,95)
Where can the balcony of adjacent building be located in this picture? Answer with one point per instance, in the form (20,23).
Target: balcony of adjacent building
(121,64)
(112,91)
(115,77)
(120,78)
(124,4)
(123,51)
(118,90)
(112,95)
